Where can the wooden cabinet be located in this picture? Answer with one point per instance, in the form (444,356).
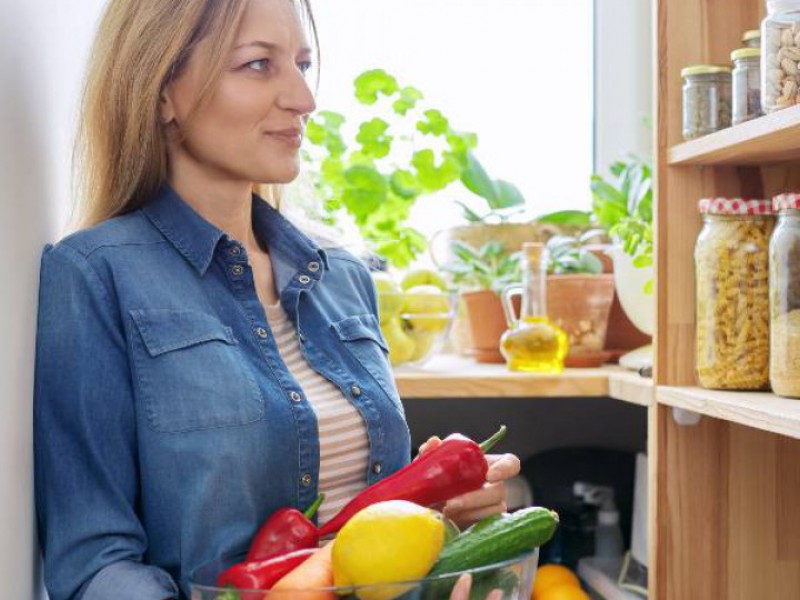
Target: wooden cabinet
(725,512)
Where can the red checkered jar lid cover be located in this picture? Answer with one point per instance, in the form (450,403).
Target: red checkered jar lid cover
(786,202)
(735,206)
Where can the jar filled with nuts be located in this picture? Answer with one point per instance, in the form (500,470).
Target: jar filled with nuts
(732,288)
(780,36)
(784,298)
(706,99)
(752,39)
(746,84)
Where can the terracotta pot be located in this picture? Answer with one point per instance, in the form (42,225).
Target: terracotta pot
(487,323)
(581,304)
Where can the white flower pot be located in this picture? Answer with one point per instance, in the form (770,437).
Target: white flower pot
(638,305)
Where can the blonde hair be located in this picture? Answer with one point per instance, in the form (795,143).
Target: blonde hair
(141,45)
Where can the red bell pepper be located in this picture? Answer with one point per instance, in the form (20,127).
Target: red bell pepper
(455,467)
(285,531)
(263,574)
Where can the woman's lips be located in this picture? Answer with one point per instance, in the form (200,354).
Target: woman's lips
(292,137)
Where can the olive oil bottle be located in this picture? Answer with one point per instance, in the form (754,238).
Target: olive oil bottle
(533,343)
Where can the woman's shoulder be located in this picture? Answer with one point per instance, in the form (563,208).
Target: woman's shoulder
(131,229)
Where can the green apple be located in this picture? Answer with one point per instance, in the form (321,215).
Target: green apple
(423,277)
(401,346)
(427,308)
(390,298)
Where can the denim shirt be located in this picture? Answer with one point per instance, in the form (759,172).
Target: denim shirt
(167,428)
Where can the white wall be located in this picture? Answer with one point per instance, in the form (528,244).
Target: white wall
(43,46)
(623,80)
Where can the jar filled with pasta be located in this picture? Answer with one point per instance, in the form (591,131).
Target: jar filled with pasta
(732,290)
(784,299)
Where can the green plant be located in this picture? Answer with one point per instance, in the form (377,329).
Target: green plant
(401,153)
(568,254)
(491,267)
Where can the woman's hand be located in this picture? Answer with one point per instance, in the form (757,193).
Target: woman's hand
(468,508)
(463,586)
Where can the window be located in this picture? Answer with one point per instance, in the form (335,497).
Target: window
(519,73)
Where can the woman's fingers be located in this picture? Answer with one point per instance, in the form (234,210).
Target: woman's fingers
(432,443)
(462,588)
(502,467)
(489,494)
(465,518)
(495,595)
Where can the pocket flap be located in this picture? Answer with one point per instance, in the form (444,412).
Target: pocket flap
(164,330)
(360,327)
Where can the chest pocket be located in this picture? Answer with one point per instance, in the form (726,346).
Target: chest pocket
(190,372)
(361,335)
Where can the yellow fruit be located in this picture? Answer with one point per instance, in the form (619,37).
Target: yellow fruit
(390,298)
(423,342)
(387,542)
(423,277)
(427,308)
(564,591)
(551,576)
(401,346)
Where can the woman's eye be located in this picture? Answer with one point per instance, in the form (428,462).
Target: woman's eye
(305,66)
(258,65)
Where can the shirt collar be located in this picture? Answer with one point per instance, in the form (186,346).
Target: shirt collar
(196,238)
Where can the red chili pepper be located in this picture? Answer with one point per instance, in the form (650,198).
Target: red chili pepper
(455,467)
(263,574)
(285,531)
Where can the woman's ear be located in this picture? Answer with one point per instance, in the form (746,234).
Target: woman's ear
(166,107)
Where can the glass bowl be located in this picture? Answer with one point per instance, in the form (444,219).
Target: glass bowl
(415,325)
(514,578)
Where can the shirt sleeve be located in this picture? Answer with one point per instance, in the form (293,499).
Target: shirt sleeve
(86,474)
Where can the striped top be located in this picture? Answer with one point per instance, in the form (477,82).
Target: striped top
(344,448)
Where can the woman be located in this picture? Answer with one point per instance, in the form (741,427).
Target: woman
(200,361)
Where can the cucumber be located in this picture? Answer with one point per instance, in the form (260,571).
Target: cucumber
(494,540)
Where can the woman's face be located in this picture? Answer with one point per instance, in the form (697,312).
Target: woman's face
(251,127)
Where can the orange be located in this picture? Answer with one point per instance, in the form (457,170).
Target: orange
(552,575)
(564,591)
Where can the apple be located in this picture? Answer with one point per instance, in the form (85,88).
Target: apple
(401,346)
(423,277)
(390,299)
(427,308)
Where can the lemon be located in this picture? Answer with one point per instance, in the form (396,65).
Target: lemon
(387,542)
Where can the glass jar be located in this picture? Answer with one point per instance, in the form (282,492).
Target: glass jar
(780,36)
(784,297)
(752,39)
(746,84)
(732,292)
(706,100)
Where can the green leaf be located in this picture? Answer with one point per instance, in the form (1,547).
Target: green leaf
(648,287)
(431,176)
(506,195)
(373,138)
(476,180)
(435,123)
(371,83)
(366,190)
(591,264)
(404,184)
(469,214)
(642,261)
(573,218)
(409,96)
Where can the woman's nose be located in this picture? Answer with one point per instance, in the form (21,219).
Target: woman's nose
(297,95)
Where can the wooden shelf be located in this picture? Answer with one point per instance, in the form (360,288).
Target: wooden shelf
(759,410)
(768,139)
(456,377)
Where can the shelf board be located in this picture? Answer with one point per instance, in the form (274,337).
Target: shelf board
(768,139)
(456,377)
(760,410)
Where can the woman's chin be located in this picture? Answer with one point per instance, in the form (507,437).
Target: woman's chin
(280,173)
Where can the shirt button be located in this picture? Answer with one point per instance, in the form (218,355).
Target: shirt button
(304,279)
(377,468)
(355,390)
(306,480)
(295,397)
(237,269)
(235,250)
(313,266)
(261,332)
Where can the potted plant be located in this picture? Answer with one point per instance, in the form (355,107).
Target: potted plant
(579,297)
(403,152)
(480,276)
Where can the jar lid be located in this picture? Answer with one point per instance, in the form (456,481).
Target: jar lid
(786,202)
(735,206)
(704,70)
(752,34)
(746,53)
